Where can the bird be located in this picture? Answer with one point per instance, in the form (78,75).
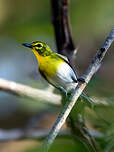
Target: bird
(54,68)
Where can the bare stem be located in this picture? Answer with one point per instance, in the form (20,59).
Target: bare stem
(77,92)
(23,90)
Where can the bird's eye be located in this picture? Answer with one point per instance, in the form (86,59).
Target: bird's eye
(39,45)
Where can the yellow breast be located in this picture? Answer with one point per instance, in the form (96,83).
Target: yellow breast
(49,66)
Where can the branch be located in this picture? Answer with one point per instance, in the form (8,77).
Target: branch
(77,92)
(60,20)
(23,90)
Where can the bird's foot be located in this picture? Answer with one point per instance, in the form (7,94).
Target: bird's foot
(81,80)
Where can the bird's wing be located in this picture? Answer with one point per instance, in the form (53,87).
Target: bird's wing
(63,57)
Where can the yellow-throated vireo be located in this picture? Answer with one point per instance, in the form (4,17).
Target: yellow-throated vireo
(53,67)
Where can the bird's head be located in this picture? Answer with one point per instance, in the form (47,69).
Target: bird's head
(39,48)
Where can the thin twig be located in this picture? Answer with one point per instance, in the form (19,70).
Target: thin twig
(77,92)
(23,90)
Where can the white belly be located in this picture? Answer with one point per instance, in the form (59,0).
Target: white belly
(64,77)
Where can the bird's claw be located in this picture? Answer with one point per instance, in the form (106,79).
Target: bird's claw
(81,80)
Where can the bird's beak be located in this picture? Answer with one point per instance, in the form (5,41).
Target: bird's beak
(27,45)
